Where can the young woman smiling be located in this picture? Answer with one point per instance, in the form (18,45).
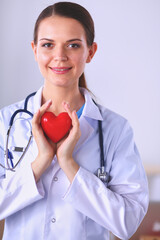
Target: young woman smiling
(55,191)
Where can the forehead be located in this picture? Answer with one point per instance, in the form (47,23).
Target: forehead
(60,27)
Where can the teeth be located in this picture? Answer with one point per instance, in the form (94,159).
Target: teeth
(61,70)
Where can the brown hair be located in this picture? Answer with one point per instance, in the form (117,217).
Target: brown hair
(69,10)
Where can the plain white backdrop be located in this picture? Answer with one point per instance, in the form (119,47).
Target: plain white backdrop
(124,75)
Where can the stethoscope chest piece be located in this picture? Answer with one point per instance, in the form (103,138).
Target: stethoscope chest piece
(102,175)
(9,152)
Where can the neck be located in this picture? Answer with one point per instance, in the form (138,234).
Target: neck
(58,95)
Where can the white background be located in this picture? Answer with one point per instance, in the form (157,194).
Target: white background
(124,75)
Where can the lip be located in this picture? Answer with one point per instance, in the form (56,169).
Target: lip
(60,70)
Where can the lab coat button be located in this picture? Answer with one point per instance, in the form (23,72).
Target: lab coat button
(53,220)
(55,179)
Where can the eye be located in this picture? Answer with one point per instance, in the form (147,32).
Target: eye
(74,45)
(47,45)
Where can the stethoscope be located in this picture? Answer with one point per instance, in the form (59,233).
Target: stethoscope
(101,173)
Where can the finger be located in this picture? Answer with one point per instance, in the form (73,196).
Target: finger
(37,116)
(45,107)
(73,115)
(36,127)
(35,124)
(75,131)
(67,108)
(75,122)
(35,119)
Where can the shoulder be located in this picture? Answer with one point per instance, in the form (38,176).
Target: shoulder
(111,117)
(111,121)
(10,109)
(7,112)
(114,125)
(27,103)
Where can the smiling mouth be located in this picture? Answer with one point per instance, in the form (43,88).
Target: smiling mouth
(61,70)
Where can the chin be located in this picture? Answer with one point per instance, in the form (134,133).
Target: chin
(60,82)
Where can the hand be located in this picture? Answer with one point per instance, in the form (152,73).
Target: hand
(46,148)
(66,146)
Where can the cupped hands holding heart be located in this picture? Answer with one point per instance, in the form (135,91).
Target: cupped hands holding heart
(55,136)
(56,127)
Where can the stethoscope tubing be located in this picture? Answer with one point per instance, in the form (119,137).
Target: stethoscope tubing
(8,133)
(24,152)
(101,171)
(102,162)
(16,112)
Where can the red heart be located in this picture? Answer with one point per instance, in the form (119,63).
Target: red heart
(56,127)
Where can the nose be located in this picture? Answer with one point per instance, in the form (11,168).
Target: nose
(60,58)
(60,54)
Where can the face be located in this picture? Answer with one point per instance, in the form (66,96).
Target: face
(61,50)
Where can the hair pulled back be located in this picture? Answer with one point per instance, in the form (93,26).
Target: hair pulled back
(69,10)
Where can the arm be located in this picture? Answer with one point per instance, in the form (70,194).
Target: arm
(122,205)
(66,147)
(46,148)
(19,189)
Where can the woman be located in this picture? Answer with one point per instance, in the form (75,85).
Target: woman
(54,192)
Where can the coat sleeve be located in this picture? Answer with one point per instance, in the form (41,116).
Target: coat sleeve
(17,189)
(121,206)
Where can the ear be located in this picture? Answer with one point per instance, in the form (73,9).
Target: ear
(34,48)
(92,51)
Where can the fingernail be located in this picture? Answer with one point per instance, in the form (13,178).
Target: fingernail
(37,112)
(49,101)
(67,104)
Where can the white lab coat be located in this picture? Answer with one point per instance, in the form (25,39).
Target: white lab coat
(87,209)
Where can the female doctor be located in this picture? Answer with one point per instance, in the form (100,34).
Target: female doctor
(54,192)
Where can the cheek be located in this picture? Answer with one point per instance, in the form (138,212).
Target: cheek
(43,59)
(80,60)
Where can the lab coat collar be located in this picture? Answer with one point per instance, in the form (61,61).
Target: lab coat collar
(34,102)
(37,100)
(91,110)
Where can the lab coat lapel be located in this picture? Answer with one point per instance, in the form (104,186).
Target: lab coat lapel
(86,131)
(90,113)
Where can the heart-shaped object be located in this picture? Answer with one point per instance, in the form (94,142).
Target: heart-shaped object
(56,127)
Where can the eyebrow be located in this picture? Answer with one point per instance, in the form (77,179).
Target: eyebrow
(46,39)
(75,39)
(71,40)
